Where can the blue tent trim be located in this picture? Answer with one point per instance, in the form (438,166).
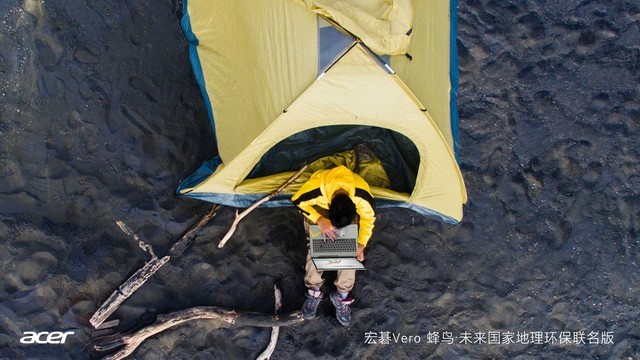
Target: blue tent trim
(245,201)
(207,168)
(195,62)
(453,75)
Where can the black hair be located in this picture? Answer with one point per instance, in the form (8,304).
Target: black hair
(342,211)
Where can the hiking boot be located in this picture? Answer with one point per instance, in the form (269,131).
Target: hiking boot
(310,306)
(343,312)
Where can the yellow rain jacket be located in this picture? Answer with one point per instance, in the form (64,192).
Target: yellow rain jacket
(319,190)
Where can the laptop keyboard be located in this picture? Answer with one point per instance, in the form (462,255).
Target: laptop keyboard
(338,245)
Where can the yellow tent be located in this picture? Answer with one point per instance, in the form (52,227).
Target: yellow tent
(289,81)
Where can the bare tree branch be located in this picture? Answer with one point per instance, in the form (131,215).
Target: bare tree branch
(235,318)
(143,274)
(275,331)
(240,216)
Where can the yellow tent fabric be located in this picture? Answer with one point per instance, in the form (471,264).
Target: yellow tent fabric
(381,24)
(426,74)
(358,91)
(256,57)
(257,65)
(252,43)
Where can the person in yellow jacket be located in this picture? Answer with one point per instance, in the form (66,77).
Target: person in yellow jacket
(342,195)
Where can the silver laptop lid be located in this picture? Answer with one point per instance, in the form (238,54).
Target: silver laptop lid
(331,264)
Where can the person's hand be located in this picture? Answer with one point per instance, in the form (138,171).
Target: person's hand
(328,231)
(360,252)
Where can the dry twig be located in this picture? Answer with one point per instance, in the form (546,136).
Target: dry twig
(240,216)
(145,247)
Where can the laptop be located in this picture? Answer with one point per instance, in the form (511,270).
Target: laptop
(338,254)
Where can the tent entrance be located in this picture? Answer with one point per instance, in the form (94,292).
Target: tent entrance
(399,156)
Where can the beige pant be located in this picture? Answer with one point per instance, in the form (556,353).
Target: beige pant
(313,277)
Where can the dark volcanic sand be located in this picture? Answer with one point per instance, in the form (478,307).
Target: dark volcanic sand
(100,118)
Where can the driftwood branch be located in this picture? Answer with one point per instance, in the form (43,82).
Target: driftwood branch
(125,290)
(181,245)
(275,331)
(144,246)
(142,275)
(129,343)
(240,216)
